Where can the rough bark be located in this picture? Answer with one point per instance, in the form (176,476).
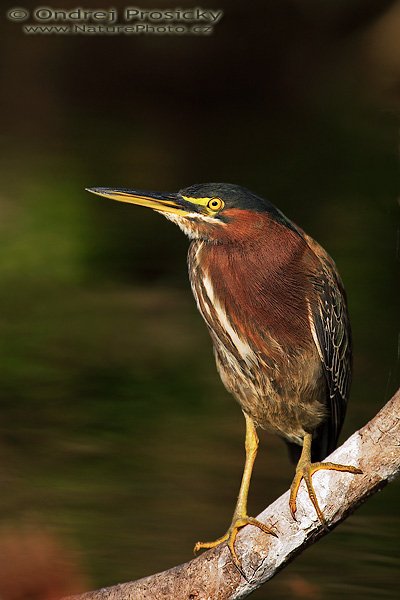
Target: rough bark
(211,576)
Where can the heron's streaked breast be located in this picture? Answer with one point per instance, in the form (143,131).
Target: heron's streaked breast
(224,333)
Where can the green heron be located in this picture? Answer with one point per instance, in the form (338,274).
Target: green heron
(276,311)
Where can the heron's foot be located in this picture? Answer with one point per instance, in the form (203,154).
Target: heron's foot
(306,471)
(230,537)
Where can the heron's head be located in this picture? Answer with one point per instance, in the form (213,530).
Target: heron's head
(218,212)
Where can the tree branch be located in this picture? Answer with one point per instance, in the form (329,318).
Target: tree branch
(375,449)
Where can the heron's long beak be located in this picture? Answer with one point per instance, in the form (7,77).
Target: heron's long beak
(163,202)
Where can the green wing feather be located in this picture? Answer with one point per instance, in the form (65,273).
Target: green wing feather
(332,335)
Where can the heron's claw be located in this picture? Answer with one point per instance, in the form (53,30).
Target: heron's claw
(306,471)
(230,538)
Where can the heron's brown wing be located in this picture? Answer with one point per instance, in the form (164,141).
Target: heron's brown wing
(332,335)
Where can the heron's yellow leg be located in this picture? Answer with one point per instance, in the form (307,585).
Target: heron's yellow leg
(305,470)
(240,517)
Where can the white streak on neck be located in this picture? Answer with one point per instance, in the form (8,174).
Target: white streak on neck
(243,348)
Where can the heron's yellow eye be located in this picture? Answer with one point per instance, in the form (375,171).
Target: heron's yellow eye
(215,204)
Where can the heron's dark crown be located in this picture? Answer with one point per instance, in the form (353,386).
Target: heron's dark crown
(235,197)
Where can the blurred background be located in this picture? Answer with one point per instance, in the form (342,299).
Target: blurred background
(120,448)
